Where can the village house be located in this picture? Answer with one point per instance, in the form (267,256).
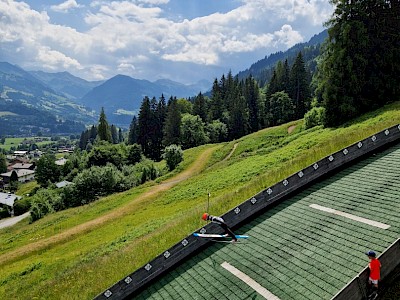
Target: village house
(61,161)
(21,166)
(24,175)
(21,153)
(7,201)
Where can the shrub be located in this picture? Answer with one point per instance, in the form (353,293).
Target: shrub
(314,117)
(134,154)
(4,213)
(173,155)
(146,170)
(45,201)
(22,205)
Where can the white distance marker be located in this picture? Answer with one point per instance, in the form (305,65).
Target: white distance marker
(249,281)
(350,216)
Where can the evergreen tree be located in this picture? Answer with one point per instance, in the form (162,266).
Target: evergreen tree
(103,129)
(114,134)
(172,126)
(200,107)
(92,134)
(239,115)
(14,181)
(216,107)
(84,139)
(300,87)
(251,93)
(360,64)
(120,136)
(146,127)
(133,131)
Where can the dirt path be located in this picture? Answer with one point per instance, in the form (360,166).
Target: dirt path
(12,221)
(73,232)
(231,153)
(291,128)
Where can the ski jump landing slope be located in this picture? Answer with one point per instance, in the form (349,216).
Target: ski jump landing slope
(307,240)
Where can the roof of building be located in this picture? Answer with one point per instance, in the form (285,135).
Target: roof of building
(22,166)
(61,161)
(8,199)
(20,172)
(307,247)
(20,152)
(63,183)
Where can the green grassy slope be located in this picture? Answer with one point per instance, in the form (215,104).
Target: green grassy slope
(77,253)
(296,251)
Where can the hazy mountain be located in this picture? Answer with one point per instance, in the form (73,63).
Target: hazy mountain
(27,101)
(121,96)
(66,84)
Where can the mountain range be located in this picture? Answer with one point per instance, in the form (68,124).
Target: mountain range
(62,103)
(121,96)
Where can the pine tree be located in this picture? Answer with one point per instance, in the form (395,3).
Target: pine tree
(216,107)
(92,134)
(145,127)
(159,111)
(103,129)
(114,134)
(200,107)
(251,93)
(172,126)
(133,131)
(300,87)
(239,115)
(83,139)
(360,62)
(120,136)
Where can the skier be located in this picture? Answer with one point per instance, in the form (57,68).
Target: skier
(220,222)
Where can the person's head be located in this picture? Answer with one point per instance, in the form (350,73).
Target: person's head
(371,254)
(205,216)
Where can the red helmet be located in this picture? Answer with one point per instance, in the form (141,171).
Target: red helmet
(205,216)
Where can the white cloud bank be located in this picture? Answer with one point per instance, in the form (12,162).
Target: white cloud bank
(65,6)
(135,37)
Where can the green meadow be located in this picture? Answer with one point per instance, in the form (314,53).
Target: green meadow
(14,142)
(78,253)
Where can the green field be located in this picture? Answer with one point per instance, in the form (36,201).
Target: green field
(14,142)
(77,253)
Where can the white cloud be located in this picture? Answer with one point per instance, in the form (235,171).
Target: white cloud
(54,60)
(288,36)
(135,37)
(153,2)
(65,6)
(44,44)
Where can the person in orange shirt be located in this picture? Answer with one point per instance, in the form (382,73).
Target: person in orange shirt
(374,274)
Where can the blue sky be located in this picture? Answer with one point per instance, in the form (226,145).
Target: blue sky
(181,40)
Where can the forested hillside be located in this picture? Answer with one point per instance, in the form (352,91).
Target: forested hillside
(262,70)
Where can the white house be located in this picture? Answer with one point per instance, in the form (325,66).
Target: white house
(24,175)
